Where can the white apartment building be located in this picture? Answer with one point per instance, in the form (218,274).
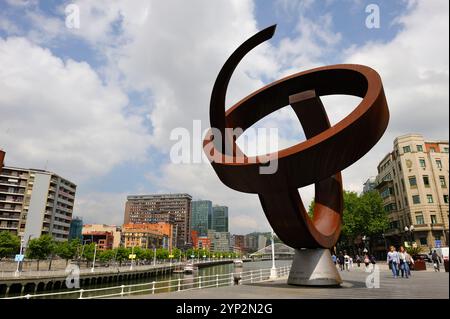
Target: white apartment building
(35,202)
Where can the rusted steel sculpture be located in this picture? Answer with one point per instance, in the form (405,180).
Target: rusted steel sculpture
(2,157)
(319,159)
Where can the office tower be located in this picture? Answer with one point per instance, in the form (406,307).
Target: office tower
(220,218)
(201,213)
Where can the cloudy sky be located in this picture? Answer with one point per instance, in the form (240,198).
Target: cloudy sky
(97,104)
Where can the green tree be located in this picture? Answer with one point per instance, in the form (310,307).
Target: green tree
(9,244)
(67,249)
(106,255)
(88,252)
(162,253)
(40,248)
(121,254)
(147,254)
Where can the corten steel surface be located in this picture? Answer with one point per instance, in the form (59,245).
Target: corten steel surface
(319,159)
(2,157)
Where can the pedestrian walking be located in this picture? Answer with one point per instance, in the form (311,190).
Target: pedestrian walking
(404,267)
(373,261)
(393,261)
(346,261)
(366,260)
(334,258)
(410,262)
(436,260)
(341,260)
(358,260)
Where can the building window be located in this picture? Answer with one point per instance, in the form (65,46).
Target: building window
(416,199)
(445,149)
(423,241)
(399,205)
(406,149)
(422,162)
(412,182)
(406,201)
(399,166)
(433,219)
(419,148)
(419,219)
(403,184)
(446,199)
(432,149)
(442,181)
(438,163)
(426,181)
(430,198)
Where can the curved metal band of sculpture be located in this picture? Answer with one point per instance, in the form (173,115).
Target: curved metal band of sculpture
(320,159)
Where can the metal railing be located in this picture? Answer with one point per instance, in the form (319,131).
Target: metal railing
(102,270)
(171,285)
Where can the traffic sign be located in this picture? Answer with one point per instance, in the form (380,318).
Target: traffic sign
(437,243)
(192,256)
(19,257)
(170,256)
(132,256)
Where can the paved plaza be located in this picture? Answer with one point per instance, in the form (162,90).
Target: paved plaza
(422,284)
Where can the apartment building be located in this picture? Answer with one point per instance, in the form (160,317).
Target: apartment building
(413,181)
(35,202)
(109,236)
(155,235)
(171,208)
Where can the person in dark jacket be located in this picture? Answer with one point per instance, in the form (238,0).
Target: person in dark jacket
(341,260)
(436,260)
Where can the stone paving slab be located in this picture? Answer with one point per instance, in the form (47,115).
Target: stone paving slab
(422,284)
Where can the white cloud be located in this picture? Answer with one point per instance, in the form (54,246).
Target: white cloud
(414,70)
(61,112)
(100,207)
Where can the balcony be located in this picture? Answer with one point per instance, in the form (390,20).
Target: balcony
(392,232)
(12,192)
(389,199)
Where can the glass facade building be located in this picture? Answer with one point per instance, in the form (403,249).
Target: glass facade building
(201,216)
(220,218)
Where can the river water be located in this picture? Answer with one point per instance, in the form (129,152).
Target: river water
(186,280)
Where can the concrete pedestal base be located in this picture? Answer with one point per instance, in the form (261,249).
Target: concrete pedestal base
(313,267)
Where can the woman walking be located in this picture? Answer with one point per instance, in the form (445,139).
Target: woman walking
(404,267)
(393,261)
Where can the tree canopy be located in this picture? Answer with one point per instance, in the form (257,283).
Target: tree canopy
(9,244)
(363,214)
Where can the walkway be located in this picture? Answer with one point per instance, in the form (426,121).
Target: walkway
(422,284)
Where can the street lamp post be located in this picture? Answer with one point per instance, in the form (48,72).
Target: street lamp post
(409,231)
(132,258)
(20,256)
(365,239)
(273,270)
(95,254)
